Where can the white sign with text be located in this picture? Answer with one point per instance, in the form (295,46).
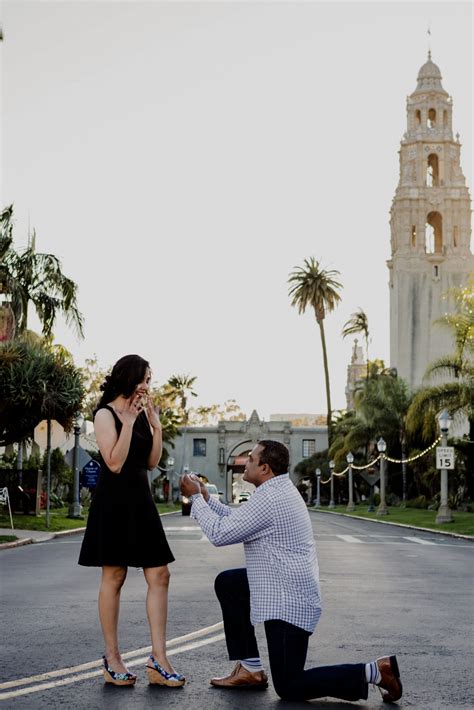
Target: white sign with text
(445,457)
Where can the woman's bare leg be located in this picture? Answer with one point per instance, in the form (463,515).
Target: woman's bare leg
(157,611)
(109,606)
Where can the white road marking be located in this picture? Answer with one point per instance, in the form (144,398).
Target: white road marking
(196,528)
(130,654)
(94,674)
(419,540)
(350,538)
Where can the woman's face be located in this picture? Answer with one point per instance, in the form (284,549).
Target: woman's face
(144,387)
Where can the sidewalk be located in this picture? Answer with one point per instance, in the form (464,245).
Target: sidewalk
(27,537)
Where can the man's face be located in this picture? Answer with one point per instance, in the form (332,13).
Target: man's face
(254,471)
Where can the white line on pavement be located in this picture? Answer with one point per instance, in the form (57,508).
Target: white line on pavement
(419,540)
(350,538)
(93,674)
(196,528)
(145,650)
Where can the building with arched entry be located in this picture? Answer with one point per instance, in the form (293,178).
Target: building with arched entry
(219,452)
(430,230)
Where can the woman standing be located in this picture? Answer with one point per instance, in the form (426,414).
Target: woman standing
(124,528)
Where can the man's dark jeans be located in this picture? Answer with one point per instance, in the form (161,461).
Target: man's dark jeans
(287,648)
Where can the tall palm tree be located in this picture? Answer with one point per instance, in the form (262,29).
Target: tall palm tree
(317,288)
(358,323)
(32,277)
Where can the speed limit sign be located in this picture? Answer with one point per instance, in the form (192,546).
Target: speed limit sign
(445,457)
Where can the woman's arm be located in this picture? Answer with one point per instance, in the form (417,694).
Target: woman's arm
(153,416)
(113,448)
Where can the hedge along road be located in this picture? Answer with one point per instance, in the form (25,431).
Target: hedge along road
(385,590)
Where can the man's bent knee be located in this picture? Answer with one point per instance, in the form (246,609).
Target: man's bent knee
(228,579)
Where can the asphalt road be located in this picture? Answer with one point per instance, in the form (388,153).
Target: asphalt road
(385,590)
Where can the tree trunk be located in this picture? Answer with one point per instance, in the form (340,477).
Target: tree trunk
(326,375)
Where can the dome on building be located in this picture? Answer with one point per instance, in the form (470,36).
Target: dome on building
(429,78)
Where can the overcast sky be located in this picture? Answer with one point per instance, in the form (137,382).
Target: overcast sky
(182,158)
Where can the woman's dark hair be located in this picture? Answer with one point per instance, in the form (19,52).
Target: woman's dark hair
(126,374)
(275,455)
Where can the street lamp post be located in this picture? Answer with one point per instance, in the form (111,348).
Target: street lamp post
(75,506)
(444,512)
(169,471)
(331,502)
(382,447)
(350,460)
(318,488)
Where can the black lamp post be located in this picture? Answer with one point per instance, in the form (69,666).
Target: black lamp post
(75,506)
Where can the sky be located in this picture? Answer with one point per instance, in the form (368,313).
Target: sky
(182,158)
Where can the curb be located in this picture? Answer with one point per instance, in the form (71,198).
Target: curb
(47,536)
(399,525)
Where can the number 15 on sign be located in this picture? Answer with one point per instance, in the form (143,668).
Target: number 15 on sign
(445,457)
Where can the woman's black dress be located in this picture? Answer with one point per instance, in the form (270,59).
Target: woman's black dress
(124,528)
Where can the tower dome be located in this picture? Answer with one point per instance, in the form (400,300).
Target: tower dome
(429,78)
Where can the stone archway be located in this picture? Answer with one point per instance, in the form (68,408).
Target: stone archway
(235,465)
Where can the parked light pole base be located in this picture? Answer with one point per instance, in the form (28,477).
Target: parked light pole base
(331,504)
(75,511)
(350,507)
(444,514)
(382,510)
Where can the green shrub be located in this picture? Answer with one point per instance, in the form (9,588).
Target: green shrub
(418,502)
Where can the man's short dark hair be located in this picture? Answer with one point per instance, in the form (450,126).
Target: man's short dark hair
(276,455)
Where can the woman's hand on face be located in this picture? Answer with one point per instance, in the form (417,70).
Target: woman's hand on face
(133,407)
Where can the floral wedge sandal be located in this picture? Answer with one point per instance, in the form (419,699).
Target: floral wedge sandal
(158,676)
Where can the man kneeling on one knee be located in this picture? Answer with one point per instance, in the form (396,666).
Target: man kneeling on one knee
(279,587)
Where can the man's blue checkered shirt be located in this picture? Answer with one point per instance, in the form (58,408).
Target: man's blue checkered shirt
(280,553)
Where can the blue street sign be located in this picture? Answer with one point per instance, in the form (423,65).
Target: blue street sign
(90,474)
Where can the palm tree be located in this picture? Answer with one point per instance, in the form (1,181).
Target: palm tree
(181,388)
(456,391)
(312,286)
(37,278)
(358,323)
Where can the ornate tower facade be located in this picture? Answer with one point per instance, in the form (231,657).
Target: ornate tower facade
(430,228)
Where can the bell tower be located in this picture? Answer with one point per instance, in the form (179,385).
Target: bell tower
(430,226)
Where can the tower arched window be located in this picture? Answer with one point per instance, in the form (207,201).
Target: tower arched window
(417,117)
(431,121)
(445,118)
(432,170)
(434,233)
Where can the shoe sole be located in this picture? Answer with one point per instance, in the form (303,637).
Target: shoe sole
(108,679)
(155,678)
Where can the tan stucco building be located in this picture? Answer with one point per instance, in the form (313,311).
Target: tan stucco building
(430,229)
(219,452)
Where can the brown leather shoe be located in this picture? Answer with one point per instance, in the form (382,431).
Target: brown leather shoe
(390,681)
(242,678)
